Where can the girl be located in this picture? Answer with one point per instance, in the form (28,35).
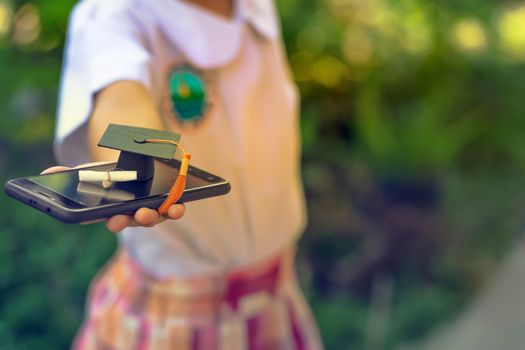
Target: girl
(222,276)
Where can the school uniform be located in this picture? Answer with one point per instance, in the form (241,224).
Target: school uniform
(222,277)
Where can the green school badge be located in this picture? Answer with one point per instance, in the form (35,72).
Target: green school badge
(188,94)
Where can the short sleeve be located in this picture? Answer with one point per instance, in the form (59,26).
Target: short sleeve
(104,45)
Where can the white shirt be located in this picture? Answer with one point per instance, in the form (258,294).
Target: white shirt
(249,135)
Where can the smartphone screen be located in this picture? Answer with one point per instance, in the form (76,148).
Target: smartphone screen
(88,194)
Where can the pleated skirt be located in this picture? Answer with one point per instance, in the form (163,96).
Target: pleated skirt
(259,307)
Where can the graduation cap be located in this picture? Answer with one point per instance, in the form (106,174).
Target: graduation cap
(138,147)
(135,152)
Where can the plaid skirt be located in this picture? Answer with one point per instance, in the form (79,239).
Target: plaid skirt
(254,308)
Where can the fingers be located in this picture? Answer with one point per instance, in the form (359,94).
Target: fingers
(147,217)
(176,211)
(151,217)
(54,169)
(144,217)
(118,222)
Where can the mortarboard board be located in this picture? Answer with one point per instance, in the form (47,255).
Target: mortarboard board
(135,152)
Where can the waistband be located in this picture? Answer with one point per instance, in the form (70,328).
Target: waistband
(200,295)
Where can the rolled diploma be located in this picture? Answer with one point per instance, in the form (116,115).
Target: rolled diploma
(113,176)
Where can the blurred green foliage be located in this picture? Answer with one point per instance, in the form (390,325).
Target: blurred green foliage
(412,124)
(413,152)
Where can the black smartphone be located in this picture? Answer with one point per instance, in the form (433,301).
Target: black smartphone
(62,196)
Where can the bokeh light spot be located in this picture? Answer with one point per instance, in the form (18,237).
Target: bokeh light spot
(5,18)
(329,71)
(468,35)
(415,35)
(27,25)
(418,41)
(357,46)
(511,26)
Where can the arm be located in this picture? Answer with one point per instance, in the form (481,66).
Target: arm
(106,71)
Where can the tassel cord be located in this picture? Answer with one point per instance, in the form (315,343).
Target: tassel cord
(177,189)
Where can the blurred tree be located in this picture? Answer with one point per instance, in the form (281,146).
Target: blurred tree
(406,105)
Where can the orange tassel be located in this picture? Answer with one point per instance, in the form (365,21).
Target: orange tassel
(178,187)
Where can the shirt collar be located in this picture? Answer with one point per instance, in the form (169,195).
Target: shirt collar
(209,40)
(261,14)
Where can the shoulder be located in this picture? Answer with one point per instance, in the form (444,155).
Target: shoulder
(86,12)
(97,8)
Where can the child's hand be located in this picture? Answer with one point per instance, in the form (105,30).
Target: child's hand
(143,217)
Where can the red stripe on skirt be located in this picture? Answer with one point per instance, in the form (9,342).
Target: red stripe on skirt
(205,339)
(298,337)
